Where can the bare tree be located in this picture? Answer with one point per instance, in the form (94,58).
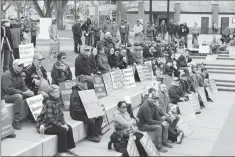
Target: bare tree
(5,4)
(47,4)
(60,7)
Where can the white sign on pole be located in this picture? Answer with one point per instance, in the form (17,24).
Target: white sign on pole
(35,104)
(204,49)
(26,52)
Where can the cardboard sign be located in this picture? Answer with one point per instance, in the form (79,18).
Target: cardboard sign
(105,125)
(128,76)
(66,90)
(26,52)
(204,49)
(145,72)
(140,72)
(35,104)
(210,95)
(210,58)
(131,147)
(202,94)
(117,79)
(99,86)
(108,83)
(186,110)
(231,50)
(148,145)
(91,103)
(6,122)
(182,125)
(55,46)
(213,88)
(167,80)
(193,98)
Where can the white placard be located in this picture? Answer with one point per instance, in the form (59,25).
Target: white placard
(44,25)
(204,49)
(210,58)
(35,104)
(231,50)
(26,52)
(186,110)
(128,78)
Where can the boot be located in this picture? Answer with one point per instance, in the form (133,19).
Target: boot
(16,123)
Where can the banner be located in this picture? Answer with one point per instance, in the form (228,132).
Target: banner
(131,147)
(231,50)
(167,80)
(91,103)
(99,86)
(66,90)
(202,94)
(6,122)
(182,125)
(148,145)
(128,76)
(26,52)
(35,104)
(108,83)
(210,58)
(117,79)
(105,125)
(186,110)
(193,98)
(204,49)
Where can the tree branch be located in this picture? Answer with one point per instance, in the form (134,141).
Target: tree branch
(37,7)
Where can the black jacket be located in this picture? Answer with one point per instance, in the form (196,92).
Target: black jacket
(175,93)
(77,30)
(171,29)
(183,30)
(58,75)
(83,65)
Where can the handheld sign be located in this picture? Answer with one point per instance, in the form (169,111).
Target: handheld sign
(140,72)
(35,104)
(148,145)
(202,94)
(99,86)
(193,98)
(182,125)
(26,52)
(145,72)
(186,110)
(91,103)
(131,148)
(105,125)
(55,46)
(128,76)
(117,79)
(204,49)
(231,50)
(108,83)
(213,88)
(6,122)
(66,90)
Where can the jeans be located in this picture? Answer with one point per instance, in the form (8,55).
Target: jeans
(65,138)
(88,40)
(161,133)
(77,40)
(6,58)
(94,124)
(16,53)
(194,36)
(18,101)
(33,40)
(96,39)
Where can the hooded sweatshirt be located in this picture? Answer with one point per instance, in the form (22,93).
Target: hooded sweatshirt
(60,73)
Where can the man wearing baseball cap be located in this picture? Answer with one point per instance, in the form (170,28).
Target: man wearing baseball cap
(14,90)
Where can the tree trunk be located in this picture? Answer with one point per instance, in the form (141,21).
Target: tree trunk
(60,20)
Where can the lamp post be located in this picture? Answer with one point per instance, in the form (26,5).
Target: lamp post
(168,12)
(150,11)
(75,12)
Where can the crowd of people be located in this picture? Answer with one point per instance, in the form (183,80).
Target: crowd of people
(158,114)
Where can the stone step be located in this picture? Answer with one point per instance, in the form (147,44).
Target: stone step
(219,57)
(221,65)
(227,89)
(224,81)
(225,84)
(220,68)
(221,71)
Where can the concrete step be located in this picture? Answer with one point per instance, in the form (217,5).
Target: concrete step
(227,89)
(221,71)
(225,84)
(224,81)
(220,68)
(221,65)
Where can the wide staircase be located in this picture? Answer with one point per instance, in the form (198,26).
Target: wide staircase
(222,70)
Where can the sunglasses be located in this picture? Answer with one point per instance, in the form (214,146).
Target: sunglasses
(64,58)
(21,65)
(123,107)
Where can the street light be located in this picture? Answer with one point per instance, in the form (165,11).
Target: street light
(150,11)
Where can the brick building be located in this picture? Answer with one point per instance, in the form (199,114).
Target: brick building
(203,12)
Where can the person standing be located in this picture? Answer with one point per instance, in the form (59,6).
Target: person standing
(138,32)
(33,31)
(171,31)
(149,32)
(195,32)
(96,32)
(114,33)
(183,32)
(108,26)
(163,29)
(16,37)
(87,27)
(123,29)
(54,36)
(77,35)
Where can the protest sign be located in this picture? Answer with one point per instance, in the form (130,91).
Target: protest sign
(140,72)
(35,104)
(108,83)
(186,110)
(202,94)
(66,90)
(55,46)
(148,145)
(210,58)
(131,148)
(145,72)
(99,86)
(91,103)
(213,88)
(204,49)
(117,79)
(231,50)
(105,125)
(209,92)
(6,122)
(182,125)
(128,76)
(193,98)
(26,52)
(148,63)
(167,80)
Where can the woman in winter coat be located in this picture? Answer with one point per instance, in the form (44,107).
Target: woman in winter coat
(113,58)
(163,29)
(94,67)
(138,32)
(102,61)
(160,71)
(61,71)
